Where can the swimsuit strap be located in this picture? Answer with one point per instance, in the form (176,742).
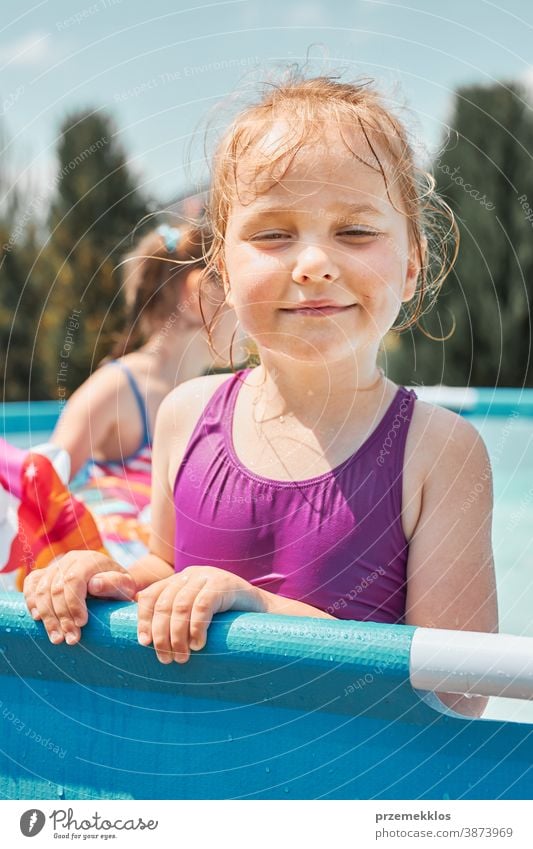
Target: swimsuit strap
(140,402)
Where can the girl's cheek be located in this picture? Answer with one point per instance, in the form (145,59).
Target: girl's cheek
(253,305)
(255,295)
(251,274)
(258,280)
(379,278)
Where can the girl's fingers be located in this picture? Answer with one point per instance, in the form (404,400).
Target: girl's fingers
(182,607)
(205,605)
(74,595)
(63,613)
(29,590)
(57,595)
(163,618)
(118,585)
(77,572)
(162,613)
(43,602)
(153,618)
(145,612)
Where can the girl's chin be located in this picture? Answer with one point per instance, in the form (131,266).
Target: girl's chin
(314,345)
(317,354)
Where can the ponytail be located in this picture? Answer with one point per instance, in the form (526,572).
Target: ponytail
(154,273)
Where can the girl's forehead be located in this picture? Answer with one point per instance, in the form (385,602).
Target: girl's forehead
(314,176)
(327,161)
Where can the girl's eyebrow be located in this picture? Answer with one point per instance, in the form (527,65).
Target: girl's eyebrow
(359,207)
(336,211)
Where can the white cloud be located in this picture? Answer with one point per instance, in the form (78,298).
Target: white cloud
(309,14)
(298,13)
(31,49)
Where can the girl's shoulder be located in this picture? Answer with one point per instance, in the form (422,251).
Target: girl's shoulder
(179,413)
(442,444)
(197,390)
(437,428)
(443,453)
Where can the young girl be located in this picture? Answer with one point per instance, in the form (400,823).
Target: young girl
(110,418)
(310,485)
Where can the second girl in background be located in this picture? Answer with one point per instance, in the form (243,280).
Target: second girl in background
(109,419)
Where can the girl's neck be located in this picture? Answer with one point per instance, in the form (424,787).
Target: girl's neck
(311,391)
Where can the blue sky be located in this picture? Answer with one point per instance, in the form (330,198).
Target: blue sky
(160,67)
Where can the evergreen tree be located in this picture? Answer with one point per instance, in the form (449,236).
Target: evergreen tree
(20,299)
(486,175)
(95,209)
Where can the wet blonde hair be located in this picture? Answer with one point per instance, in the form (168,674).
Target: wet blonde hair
(307,106)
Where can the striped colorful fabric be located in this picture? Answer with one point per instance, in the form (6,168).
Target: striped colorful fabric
(118,495)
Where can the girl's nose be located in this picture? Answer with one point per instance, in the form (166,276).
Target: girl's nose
(314,265)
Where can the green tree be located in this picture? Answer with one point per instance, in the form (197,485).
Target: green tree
(486,175)
(20,297)
(23,373)
(96,207)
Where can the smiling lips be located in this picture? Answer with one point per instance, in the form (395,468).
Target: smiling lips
(319,308)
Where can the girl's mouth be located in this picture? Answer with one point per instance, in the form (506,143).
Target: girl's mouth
(317,312)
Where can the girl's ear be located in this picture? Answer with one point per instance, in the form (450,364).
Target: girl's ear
(415,263)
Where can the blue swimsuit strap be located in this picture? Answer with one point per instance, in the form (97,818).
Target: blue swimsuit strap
(138,397)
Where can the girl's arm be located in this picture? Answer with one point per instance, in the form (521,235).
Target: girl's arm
(159,563)
(148,569)
(88,417)
(173,426)
(272,603)
(450,573)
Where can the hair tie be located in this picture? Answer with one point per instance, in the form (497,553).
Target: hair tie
(171,237)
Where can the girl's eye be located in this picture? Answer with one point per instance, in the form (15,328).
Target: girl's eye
(272,236)
(357,231)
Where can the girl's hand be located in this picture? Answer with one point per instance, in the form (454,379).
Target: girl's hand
(175,613)
(56,595)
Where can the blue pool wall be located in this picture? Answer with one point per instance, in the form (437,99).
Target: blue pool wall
(273,708)
(40,416)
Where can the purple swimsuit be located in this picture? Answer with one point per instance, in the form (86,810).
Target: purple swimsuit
(334,541)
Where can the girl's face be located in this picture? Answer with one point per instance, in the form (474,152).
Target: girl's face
(317,266)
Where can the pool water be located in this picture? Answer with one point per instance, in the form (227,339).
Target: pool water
(28,440)
(510,444)
(509,440)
